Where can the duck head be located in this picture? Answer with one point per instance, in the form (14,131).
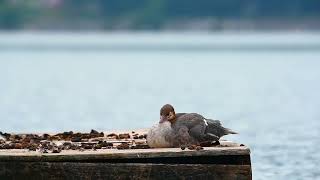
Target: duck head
(167,113)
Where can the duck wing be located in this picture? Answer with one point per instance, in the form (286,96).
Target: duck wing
(191,124)
(189,120)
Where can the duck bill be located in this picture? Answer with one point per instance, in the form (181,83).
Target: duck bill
(163,119)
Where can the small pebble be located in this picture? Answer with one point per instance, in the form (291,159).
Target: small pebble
(2,141)
(87,146)
(67,144)
(206,144)
(105,144)
(76,139)
(192,147)
(17,146)
(124,136)
(74,147)
(113,136)
(94,131)
(140,146)
(123,146)
(33,147)
(56,150)
(97,146)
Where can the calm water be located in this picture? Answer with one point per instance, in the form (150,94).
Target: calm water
(265,86)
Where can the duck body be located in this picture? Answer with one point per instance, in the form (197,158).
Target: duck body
(199,129)
(180,129)
(192,128)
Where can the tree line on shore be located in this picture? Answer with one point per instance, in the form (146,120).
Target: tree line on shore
(149,14)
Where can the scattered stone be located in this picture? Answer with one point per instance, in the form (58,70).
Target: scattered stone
(54,138)
(76,139)
(35,140)
(192,147)
(5,146)
(65,135)
(108,147)
(198,148)
(32,147)
(140,146)
(82,141)
(123,146)
(56,150)
(15,137)
(5,135)
(25,145)
(105,144)
(136,136)
(74,147)
(68,133)
(67,144)
(94,134)
(206,144)
(113,136)
(94,131)
(18,146)
(124,136)
(87,146)
(97,139)
(46,136)
(195,147)
(97,146)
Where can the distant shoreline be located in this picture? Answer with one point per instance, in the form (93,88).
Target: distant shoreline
(201,25)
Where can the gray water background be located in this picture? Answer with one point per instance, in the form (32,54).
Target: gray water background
(263,85)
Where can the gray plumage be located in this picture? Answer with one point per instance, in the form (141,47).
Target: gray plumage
(193,128)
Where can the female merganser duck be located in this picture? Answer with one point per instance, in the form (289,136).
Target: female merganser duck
(184,129)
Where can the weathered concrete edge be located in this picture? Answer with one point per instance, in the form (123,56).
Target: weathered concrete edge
(122,154)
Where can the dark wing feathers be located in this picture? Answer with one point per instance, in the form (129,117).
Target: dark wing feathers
(198,128)
(216,128)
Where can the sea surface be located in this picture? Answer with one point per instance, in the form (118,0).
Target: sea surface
(266,86)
